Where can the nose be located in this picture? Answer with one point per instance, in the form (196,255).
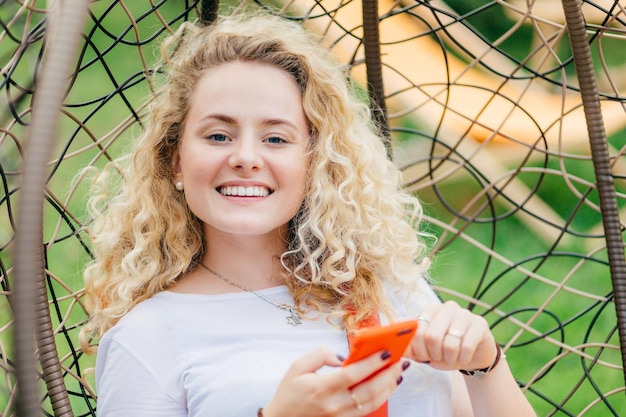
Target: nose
(246,154)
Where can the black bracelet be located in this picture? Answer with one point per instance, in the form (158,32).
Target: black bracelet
(480,373)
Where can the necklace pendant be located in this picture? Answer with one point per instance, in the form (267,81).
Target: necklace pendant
(293,318)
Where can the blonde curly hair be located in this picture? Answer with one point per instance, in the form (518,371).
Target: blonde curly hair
(354,230)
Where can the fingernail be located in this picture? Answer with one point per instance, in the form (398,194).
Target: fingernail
(425,362)
(405,365)
(399,380)
(385,355)
(341,358)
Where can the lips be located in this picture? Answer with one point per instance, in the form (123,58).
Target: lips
(241,191)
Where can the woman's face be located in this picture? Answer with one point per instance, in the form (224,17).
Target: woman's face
(242,153)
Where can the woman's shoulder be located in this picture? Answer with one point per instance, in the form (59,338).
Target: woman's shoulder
(140,349)
(409,297)
(147,321)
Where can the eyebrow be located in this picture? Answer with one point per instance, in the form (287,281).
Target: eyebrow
(230,120)
(221,117)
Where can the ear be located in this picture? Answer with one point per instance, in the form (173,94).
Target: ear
(176,168)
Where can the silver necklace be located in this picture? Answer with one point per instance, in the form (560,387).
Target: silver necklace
(293,318)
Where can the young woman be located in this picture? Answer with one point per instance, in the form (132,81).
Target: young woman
(257,222)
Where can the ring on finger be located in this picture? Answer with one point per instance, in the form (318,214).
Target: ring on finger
(357,404)
(455,333)
(423,318)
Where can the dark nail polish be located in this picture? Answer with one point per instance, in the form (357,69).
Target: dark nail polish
(425,362)
(405,365)
(399,380)
(385,355)
(341,358)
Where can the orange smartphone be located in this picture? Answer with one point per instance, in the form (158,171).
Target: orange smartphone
(394,338)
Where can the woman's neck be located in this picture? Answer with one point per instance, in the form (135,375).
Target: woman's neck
(252,261)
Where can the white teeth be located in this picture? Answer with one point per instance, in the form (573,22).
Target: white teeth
(253,191)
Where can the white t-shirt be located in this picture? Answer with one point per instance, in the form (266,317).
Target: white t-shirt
(180,355)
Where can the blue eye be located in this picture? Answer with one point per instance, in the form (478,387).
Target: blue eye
(276,140)
(218,137)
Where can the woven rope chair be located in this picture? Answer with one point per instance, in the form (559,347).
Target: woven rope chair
(511,132)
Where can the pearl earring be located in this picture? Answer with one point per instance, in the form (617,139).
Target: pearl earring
(179,186)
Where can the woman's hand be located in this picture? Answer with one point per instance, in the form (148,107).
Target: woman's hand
(450,337)
(343,392)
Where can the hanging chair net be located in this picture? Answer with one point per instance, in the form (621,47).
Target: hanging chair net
(485,119)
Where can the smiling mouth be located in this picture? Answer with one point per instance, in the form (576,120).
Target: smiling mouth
(252,191)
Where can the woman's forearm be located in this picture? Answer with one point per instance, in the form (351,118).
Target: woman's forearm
(497,394)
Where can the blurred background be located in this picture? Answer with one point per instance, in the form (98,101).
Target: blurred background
(485,119)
